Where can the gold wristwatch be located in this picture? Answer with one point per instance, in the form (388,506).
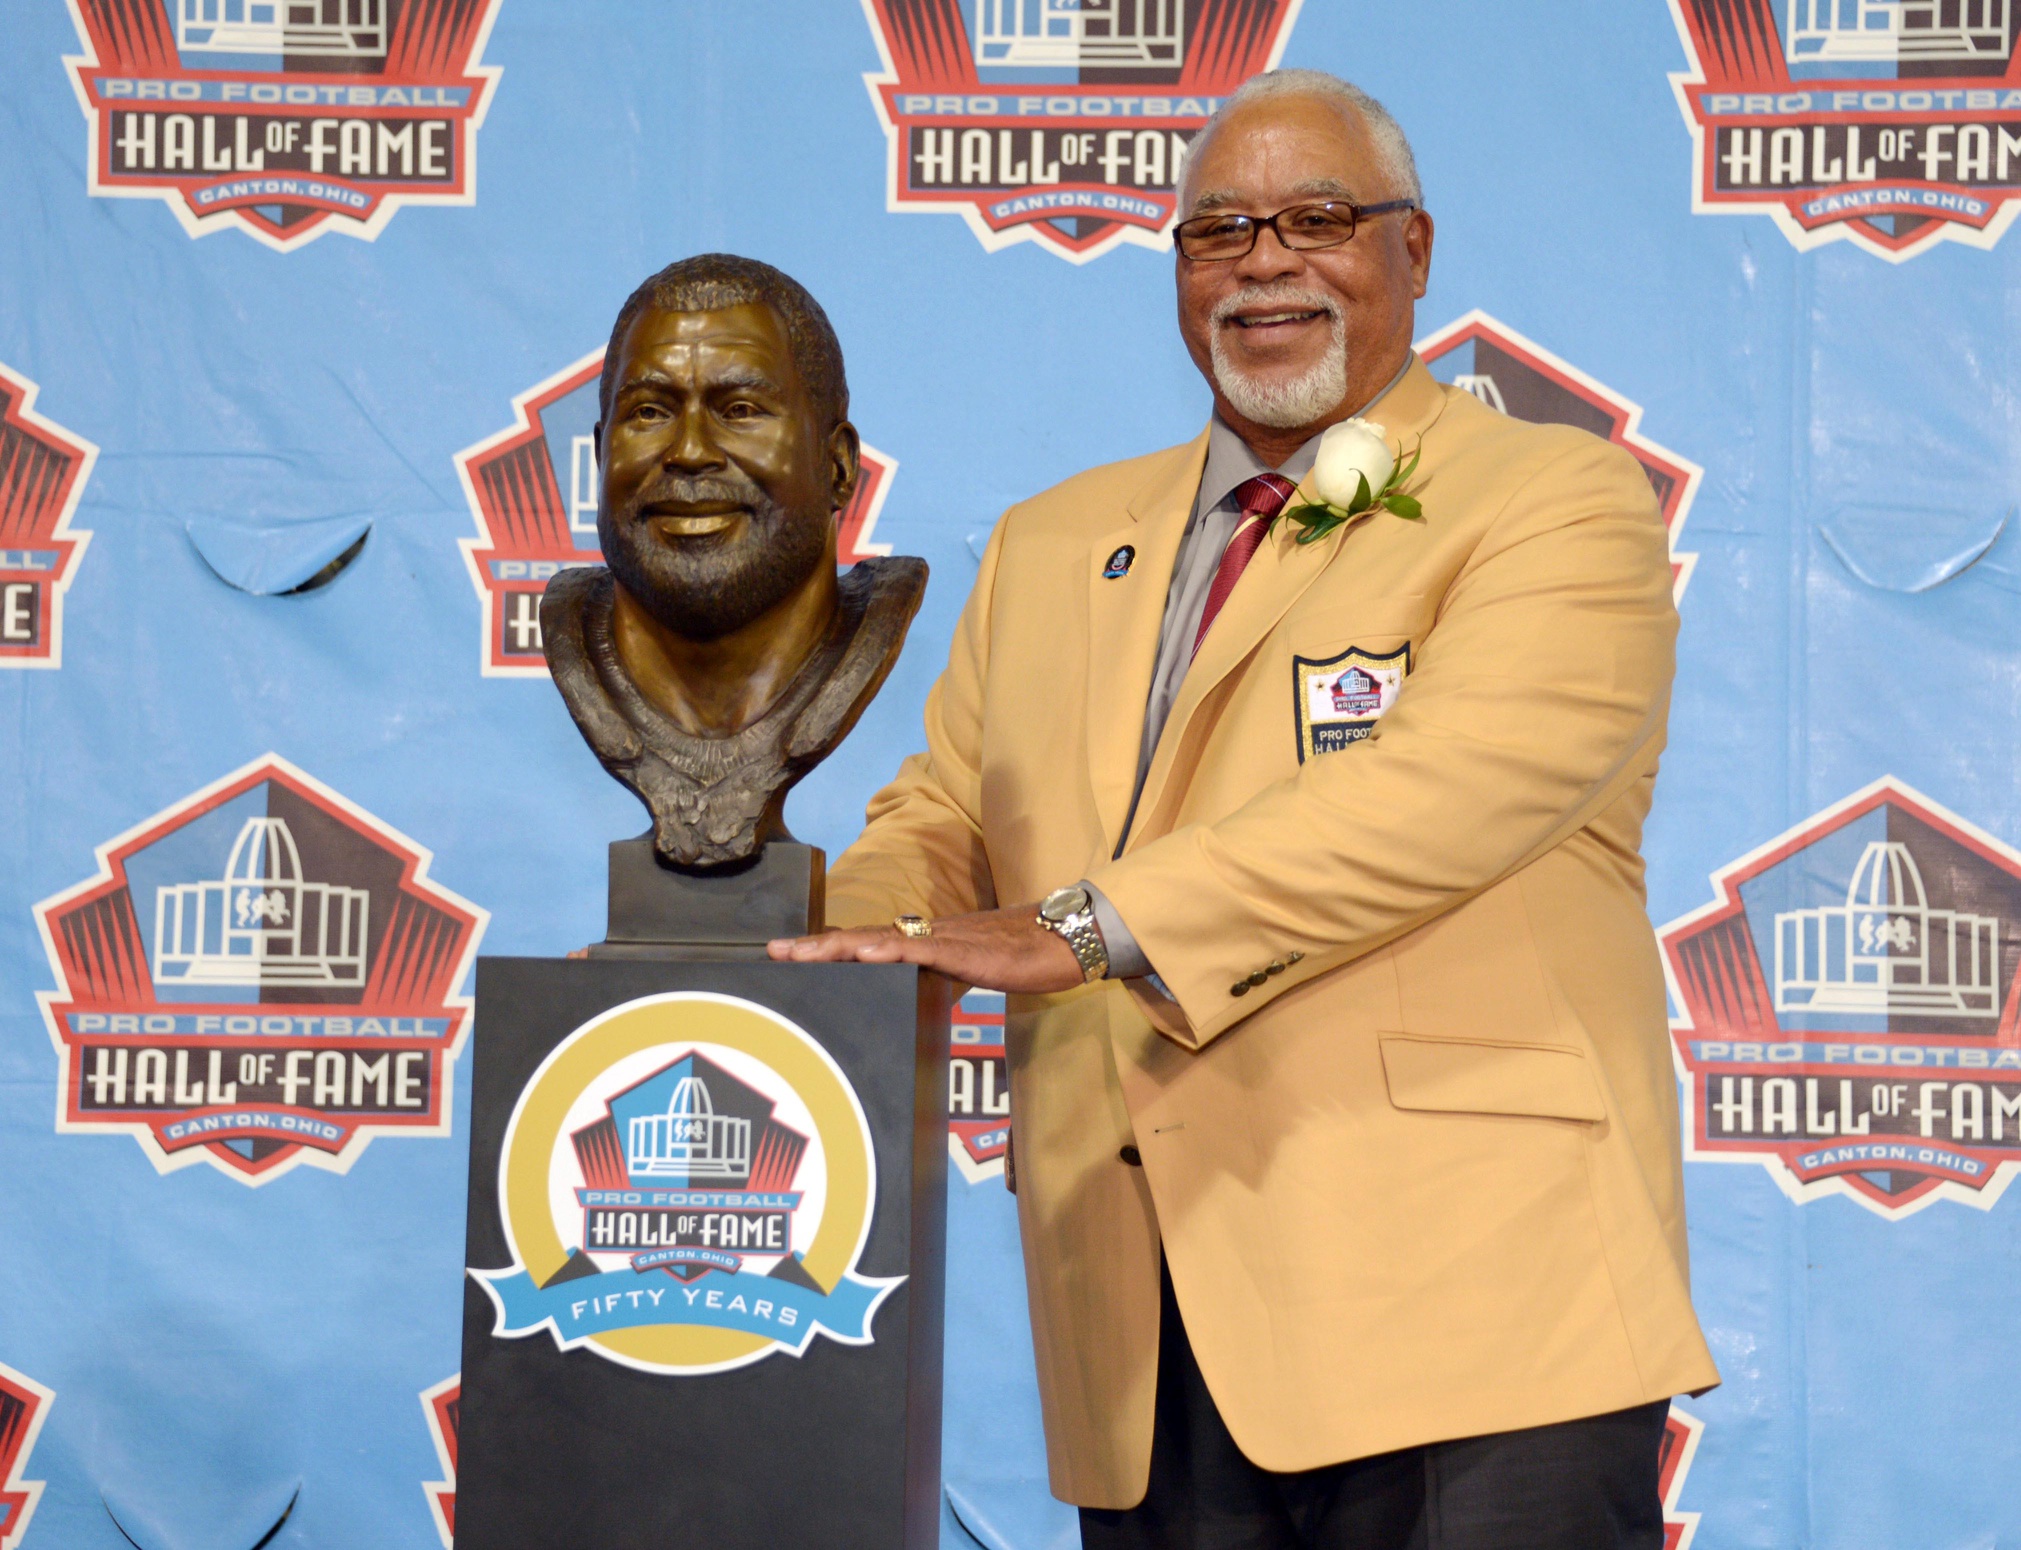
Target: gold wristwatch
(1069,913)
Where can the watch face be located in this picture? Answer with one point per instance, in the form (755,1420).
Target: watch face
(1062,902)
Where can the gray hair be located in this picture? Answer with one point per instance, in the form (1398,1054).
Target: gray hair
(1392,149)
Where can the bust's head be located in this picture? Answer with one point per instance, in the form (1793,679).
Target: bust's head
(725,447)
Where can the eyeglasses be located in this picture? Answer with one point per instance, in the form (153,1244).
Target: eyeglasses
(1216,238)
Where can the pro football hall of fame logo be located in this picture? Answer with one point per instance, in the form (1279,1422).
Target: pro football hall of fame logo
(442,1406)
(978,1088)
(1848,1008)
(1063,122)
(1891,123)
(43,469)
(260,976)
(686,1185)
(1519,377)
(24,1405)
(1673,1462)
(286,118)
(532,489)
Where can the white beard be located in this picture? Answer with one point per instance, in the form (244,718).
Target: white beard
(1309,396)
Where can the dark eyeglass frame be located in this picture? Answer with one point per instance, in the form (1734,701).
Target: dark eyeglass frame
(1355,215)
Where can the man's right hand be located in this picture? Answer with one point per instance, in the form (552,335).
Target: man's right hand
(994,950)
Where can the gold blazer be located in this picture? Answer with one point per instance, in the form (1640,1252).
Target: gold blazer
(1408,1130)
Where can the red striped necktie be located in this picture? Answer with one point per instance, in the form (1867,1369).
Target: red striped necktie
(1261,499)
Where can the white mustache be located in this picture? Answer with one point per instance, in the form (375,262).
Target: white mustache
(1282,295)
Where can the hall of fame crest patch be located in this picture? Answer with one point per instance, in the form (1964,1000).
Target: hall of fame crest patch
(259,976)
(1061,122)
(1848,1009)
(686,1185)
(1340,698)
(532,489)
(43,470)
(284,118)
(1893,124)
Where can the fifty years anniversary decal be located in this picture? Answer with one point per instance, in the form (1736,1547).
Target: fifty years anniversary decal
(686,1185)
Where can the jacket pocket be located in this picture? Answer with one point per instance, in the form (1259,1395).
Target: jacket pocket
(1475,1077)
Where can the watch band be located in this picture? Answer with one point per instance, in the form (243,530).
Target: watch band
(1080,934)
(1077,929)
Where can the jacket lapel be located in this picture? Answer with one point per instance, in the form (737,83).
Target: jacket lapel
(1124,616)
(1281,570)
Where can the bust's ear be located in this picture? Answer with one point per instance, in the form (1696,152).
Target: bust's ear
(596,436)
(845,463)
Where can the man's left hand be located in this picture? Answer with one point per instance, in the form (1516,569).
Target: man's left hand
(993,950)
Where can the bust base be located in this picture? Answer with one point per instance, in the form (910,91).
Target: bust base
(663,912)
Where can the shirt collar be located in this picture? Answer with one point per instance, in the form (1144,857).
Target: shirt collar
(1231,463)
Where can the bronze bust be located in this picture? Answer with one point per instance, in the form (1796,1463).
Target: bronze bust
(719,658)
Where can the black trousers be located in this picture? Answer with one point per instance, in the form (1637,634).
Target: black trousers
(1589,1484)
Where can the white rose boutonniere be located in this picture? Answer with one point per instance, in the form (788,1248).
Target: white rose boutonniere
(1355,472)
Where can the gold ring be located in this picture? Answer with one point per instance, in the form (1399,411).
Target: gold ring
(914,925)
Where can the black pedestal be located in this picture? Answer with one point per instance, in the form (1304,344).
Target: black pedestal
(837,1447)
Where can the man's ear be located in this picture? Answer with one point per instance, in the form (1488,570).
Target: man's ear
(845,463)
(1418,242)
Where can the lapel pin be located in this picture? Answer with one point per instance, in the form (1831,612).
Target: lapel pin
(1119,563)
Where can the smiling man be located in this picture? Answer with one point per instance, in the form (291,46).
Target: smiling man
(719,657)
(1344,1126)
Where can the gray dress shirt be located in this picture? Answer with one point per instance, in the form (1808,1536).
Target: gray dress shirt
(1216,515)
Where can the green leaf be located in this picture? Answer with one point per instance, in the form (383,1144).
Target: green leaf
(1363,498)
(1406,506)
(1411,467)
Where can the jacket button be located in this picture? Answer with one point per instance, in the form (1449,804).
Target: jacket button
(1258,977)
(1293,957)
(1132,1156)
(1276,967)
(1239,988)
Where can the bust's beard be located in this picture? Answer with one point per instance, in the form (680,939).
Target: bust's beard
(706,588)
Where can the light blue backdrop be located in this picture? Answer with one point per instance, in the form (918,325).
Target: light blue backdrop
(210,1345)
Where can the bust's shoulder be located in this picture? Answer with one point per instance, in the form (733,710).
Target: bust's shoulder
(886,582)
(879,597)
